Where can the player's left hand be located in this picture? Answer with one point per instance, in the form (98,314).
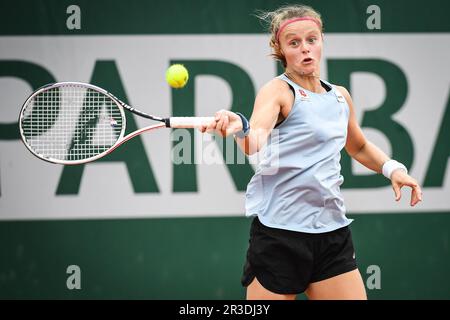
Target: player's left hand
(400,178)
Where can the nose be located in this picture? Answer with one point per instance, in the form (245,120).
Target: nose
(305,47)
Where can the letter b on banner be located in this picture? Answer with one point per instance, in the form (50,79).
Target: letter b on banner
(380,119)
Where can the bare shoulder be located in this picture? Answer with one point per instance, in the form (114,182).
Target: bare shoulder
(277,89)
(275,85)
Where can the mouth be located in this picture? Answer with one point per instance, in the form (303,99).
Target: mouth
(307,61)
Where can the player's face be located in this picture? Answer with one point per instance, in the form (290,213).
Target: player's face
(301,44)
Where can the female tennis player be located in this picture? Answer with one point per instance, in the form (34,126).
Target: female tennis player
(300,239)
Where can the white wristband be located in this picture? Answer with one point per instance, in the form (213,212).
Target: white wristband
(390,166)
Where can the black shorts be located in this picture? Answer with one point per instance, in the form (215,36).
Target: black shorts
(286,262)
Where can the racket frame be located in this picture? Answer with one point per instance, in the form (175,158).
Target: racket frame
(171,122)
(50,86)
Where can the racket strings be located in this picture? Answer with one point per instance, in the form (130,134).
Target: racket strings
(71,123)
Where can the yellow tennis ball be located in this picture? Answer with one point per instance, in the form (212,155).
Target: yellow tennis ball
(177,76)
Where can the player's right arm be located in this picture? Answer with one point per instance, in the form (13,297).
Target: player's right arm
(270,102)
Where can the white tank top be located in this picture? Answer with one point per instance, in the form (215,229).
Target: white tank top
(296,185)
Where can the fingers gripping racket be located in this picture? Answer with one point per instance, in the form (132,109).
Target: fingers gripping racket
(75,123)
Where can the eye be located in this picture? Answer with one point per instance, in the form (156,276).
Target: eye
(293,43)
(312,40)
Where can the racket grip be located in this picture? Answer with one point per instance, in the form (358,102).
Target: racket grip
(188,122)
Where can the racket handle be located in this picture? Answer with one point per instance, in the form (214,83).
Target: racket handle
(188,122)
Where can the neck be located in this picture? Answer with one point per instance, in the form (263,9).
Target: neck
(310,82)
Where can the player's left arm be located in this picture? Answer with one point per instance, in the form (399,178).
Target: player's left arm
(372,157)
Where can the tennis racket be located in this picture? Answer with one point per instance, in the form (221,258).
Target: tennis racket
(73,123)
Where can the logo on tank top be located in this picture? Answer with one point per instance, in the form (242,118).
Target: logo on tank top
(340,98)
(303,95)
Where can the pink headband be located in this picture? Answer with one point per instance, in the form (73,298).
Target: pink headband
(284,24)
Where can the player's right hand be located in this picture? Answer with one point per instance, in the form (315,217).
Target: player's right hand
(225,124)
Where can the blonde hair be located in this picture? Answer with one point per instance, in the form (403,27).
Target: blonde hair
(274,19)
